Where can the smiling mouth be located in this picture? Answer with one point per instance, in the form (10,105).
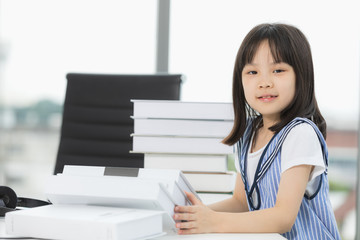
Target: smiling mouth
(267,98)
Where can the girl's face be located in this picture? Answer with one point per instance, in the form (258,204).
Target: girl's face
(269,87)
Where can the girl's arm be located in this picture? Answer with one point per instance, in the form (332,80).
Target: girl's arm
(237,203)
(200,218)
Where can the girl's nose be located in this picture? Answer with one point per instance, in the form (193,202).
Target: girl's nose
(266,83)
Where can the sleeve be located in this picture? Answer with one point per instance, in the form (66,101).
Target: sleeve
(302,147)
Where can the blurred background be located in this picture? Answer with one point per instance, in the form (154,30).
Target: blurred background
(41,41)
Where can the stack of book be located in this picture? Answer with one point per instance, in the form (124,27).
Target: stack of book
(186,136)
(94,202)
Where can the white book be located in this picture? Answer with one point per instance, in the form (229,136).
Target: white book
(76,222)
(182,127)
(212,182)
(166,144)
(182,110)
(169,174)
(173,179)
(112,191)
(186,162)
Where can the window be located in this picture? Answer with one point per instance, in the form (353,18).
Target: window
(40,42)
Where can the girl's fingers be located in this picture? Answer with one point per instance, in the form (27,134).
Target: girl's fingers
(193,199)
(184,216)
(183,209)
(187,231)
(186,225)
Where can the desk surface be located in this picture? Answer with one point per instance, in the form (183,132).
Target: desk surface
(225,236)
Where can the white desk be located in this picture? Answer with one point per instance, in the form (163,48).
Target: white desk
(213,236)
(224,236)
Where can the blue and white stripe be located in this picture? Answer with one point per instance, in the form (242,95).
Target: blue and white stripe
(315,219)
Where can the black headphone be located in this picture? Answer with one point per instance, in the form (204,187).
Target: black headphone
(9,201)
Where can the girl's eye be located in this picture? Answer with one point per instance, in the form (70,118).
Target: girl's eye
(279,71)
(252,72)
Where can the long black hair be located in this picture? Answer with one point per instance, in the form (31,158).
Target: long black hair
(287,44)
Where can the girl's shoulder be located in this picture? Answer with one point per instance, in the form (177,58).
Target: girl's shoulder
(306,137)
(302,136)
(302,124)
(303,129)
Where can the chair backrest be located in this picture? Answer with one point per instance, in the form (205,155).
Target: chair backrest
(96,124)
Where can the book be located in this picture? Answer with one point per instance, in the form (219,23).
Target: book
(167,144)
(114,191)
(182,127)
(173,180)
(182,110)
(187,162)
(73,222)
(168,174)
(212,182)
(210,198)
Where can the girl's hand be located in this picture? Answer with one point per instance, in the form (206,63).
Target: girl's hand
(197,218)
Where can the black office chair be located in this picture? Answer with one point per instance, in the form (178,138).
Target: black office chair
(96,123)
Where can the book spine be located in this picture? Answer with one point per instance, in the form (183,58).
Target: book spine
(162,144)
(176,127)
(67,222)
(212,182)
(183,110)
(47,228)
(186,162)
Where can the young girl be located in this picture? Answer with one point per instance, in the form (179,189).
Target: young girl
(278,134)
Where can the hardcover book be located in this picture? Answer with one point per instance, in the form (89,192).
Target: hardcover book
(167,144)
(173,180)
(74,222)
(186,162)
(182,110)
(125,192)
(212,182)
(182,127)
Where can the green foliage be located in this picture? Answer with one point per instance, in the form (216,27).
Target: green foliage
(337,186)
(231,163)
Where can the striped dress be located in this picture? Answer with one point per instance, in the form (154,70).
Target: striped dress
(315,219)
